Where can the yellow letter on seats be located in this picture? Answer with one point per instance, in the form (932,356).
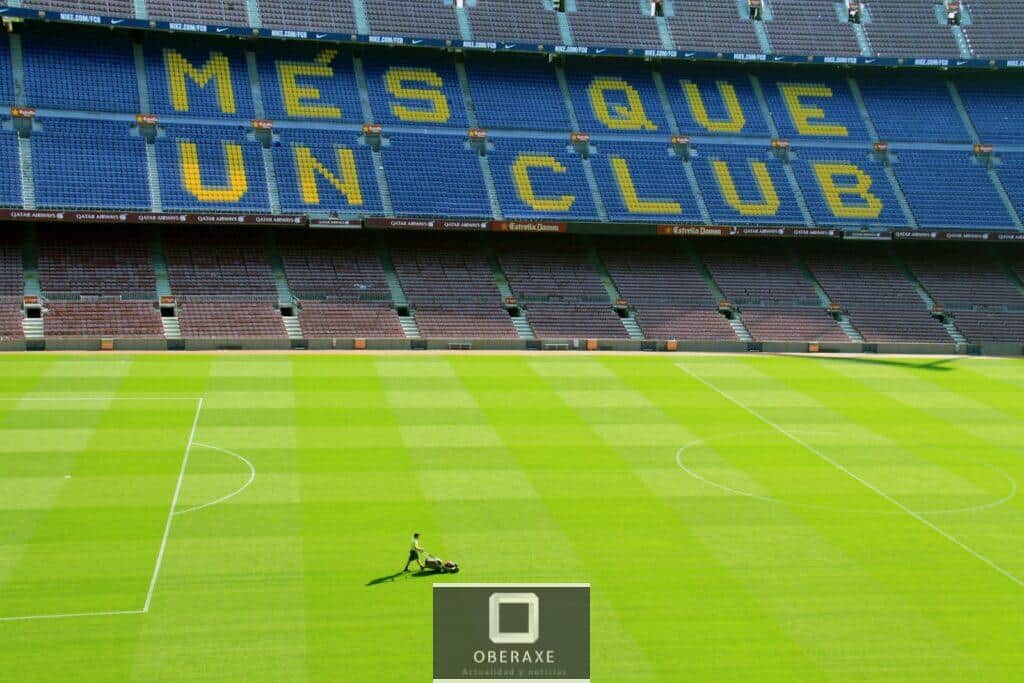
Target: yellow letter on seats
(630,116)
(769,204)
(629,195)
(309,166)
(521,177)
(192,175)
(802,113)
(834,193)
(395,80)
(293,94)
(736,121)
(217,68)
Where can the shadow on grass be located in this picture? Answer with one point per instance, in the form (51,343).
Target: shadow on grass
(385,579)
(422,573)
(935,365)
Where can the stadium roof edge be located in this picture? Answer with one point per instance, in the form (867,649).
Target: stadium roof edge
(85,19)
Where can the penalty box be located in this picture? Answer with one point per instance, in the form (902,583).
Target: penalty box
(88,487)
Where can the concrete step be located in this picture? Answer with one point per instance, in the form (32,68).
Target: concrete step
(632,328)
(33,328)
(172,328)
(739,328)
(846,326)
(409,326)
(292,326)
(953,332)
(522,327)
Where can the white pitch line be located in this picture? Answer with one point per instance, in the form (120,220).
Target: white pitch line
(98,398)
(222,499)
(781,430)
(174,504)
(74,615)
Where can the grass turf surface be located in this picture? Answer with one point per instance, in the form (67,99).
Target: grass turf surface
(739,518)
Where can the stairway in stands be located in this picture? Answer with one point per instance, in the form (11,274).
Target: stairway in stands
(519,322)
(285,298)
(735,322)
(841,318)
(405,313)
(626,316)
(947,322)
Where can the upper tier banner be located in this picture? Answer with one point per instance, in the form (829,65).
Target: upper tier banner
(481,224)
(504,46)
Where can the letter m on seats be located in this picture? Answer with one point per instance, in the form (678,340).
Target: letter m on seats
(216,70)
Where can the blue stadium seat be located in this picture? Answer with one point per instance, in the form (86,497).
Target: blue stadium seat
(555,177)
(10,175)
(292,161)
(710,113)
(644,181)
(219,65)
(420,92)
(1011,173)
(615,97)
(305,82)
(6,89)
(434,175)
(532,100)
(813,104)
(838,195)
(219,151)
(950,190)
(994,103)
(762,195)
(911,106)
(79,69)
(94,164)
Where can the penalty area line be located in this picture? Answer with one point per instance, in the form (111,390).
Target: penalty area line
(72,615)
(839,466)
(174,504)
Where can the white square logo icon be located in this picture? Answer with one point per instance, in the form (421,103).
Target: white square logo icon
(532,633)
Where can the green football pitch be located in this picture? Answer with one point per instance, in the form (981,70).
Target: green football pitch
(234,517)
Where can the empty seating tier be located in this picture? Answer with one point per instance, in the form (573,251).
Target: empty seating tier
(776,300)
(450,284)
(343,267)
(810,27)
(899,28)
(526,20)
(882,304)
(230,320)
(665,288)
(222,263)
(113,262)
(111,319)
(328,320)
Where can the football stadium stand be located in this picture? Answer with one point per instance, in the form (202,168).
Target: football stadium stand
(712,25)
(898,28)
(560,286)
(775,299)
(866,282)
(973,288)
(995,28)
(115,262)
(143,126)
(449,283)
(203,154)
(531,21)
(665,288)
(810,27)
